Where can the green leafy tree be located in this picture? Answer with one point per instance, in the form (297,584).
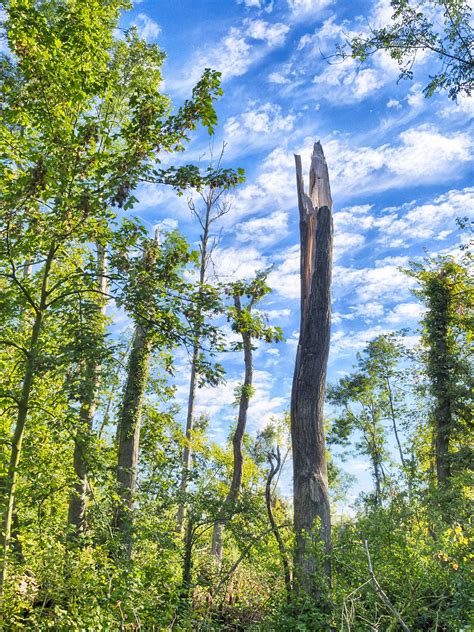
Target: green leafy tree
(82,122)
(445,287)
(250,326)
(440,27)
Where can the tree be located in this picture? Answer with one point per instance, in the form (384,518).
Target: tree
(267,447)
(250,327)
(83,120)
(445,286)
(362,412)
(212,207)
(310,480)
(440,27)
(91,331)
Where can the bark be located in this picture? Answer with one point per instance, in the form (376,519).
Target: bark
(394,425)
(90,395)
(310,481)
(378,487)
(275,466)
(129,427)
(129,433)
(187,562)
(187,451)
(237,442)
(23,408)
(442,391)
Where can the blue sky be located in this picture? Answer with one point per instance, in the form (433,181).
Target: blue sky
(399,166)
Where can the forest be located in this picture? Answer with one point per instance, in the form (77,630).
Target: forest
(174,454)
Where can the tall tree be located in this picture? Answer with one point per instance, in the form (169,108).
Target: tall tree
(362,412)
(250,327)
(310,479)
(93,311)
(150,293)
(211,206)
(82,119)
(445,286)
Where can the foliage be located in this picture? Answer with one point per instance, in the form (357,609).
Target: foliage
(83,121)
(442,28)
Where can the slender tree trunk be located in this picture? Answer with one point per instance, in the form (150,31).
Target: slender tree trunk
(23,407)
(394,424)
(442,391)
(237,441)
(310,480)
(78,499)
(274,469)
(187,562)
(129,426)
(378,487)
(129,433)
(187,451)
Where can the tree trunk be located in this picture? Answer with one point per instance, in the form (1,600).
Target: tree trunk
(78,499)
(441,388)
(237,441)
(129,433)
(187,452)
(187,562)
(310,481)
(378,487)
(394,424)
(274,469)
(23,407)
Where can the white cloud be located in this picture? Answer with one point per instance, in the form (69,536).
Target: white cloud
(307,8)
(345,343)
(416,98)
(241,262)
(278,78)
(345,242)
(366,285)
(256,127)
(404,312)
(284,279)
(462,108)
(272,34)
(427,221)
(235,53)
(265,230)
(423,155)
(147,28)
(266,5)
(393,103)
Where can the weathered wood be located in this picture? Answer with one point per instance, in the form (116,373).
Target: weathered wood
(310,481)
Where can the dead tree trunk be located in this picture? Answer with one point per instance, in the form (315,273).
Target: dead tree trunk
(237,440)
(310,481)
(90,395)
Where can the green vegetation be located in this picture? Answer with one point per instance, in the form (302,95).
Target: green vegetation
(91,443)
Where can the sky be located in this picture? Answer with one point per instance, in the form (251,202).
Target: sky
(399,166)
